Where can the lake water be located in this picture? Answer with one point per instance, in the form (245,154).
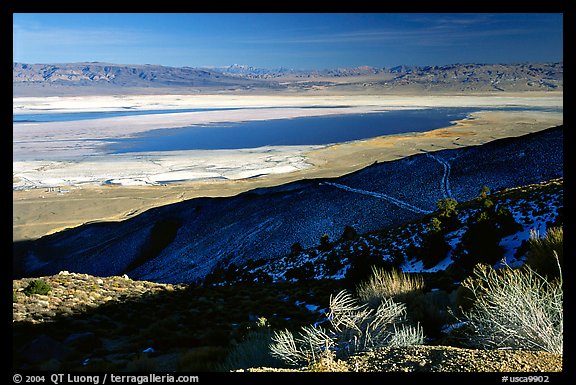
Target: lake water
(318,130)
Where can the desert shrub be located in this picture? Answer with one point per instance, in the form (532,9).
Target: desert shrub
(37,286)
(349,234)
(447,214)
(559,220)
(433,250)
(304,272)
(296,248)
(517,309)
(481,242)
(333,262)
(394,284)
(505,221)
(541,251)
(258,277)
(325,243)
(253,350)
(363,261)
(353,328)
(432,310)
(434,247)
(465,297)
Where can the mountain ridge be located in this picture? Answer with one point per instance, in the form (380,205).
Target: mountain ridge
(121,78)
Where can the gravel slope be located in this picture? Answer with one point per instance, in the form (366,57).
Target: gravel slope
(439,359)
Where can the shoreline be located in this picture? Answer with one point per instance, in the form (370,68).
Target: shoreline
(95,103)
(41,211)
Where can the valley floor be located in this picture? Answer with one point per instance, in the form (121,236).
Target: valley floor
(51,195)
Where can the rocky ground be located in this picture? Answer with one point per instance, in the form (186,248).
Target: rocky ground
(73,293)
(440,359)
(115,323)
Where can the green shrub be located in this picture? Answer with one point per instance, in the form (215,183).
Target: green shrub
(481,241)
(515,309)
(333,262)
(447,214)
(484,192)
(506,222)
(37,286)
(435,226)
(447,208)
(434,247)
(325,243)
(541,251)
(394,284)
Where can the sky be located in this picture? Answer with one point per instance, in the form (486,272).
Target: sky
(300,40)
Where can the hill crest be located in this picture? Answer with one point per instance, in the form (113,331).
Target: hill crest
(96,77)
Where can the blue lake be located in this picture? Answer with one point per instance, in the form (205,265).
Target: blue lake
(319,130)
(288,132)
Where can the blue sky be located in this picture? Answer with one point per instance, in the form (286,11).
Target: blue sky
(305,41)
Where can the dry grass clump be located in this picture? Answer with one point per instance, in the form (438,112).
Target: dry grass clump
(393,284)
(541,251)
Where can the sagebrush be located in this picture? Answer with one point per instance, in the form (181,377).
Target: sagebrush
(353,327)
(515,309)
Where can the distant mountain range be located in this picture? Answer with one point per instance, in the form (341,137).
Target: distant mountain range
(92,77)
(87,74)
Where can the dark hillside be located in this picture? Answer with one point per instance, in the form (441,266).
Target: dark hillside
(265,223)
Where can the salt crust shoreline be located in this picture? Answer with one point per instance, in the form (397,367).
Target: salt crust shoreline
(59,104)
(53,154)
(73,189)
